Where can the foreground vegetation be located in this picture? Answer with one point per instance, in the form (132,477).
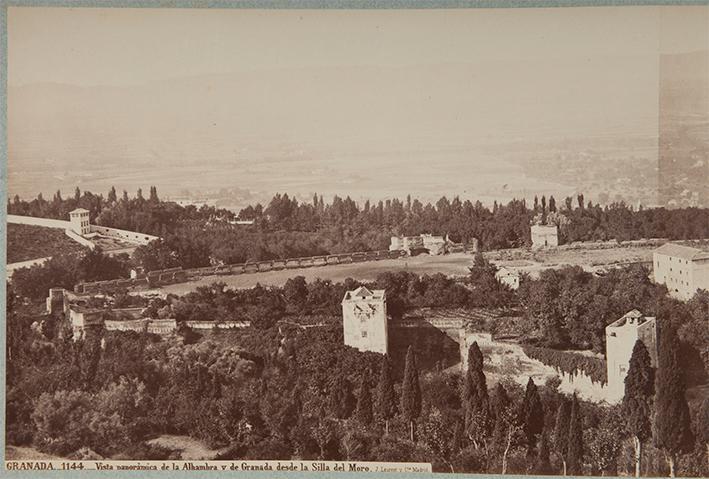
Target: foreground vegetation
(277,390)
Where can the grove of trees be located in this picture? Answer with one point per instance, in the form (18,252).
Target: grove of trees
(284,228)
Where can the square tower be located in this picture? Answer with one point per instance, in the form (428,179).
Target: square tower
(544,236)
(621,336)
(364,319)
(79,219)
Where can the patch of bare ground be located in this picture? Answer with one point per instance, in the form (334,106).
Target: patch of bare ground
(188,447)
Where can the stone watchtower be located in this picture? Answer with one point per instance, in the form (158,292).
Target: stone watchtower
(544,236)
(364,319)
(79,219)
(621,336)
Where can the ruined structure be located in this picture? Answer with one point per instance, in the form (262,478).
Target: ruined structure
(544,236)
(434,244)
(682,269)
(82,318)
(621,336)
(364,319)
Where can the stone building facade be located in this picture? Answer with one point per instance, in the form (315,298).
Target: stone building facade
(621,336)
(544,236)
(683,269)
(364,319)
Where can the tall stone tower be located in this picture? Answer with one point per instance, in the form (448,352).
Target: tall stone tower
(621,336)
(79,219)
(364,319)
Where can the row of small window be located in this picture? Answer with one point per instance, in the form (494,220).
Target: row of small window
(684,283)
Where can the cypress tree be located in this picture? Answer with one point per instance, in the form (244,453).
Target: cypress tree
(386,398)
(476,402)
(703,425)
(342,401)
(637,402)
(531,414)
(364,402)
(507,428)
(542,465)
(561,431)
(411,391)
(457,439)
(112,197)
(500,401)
(574,457)
(672,423)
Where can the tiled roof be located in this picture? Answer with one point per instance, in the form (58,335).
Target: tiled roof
(681,251)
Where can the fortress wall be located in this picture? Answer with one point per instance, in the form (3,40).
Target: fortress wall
(218,325)
(10,268)
(31,220)
(79,239)
(140,238)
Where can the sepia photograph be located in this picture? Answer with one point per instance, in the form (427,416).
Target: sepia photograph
(363,240)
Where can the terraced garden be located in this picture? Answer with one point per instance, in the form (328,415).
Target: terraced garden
(26,242)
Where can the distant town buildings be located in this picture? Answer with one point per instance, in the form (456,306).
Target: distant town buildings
(683,269)
(621,336)
(508,277)
(364,319)
(544,236)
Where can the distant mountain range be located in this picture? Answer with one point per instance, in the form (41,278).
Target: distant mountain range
(266,129)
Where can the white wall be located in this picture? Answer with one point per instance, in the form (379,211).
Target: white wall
(31,220)
(140,238)
(374,326)
(681,276)
(79,239)
(10,268)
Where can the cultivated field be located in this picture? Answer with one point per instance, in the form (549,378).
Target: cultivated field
(452,265)
(455,264)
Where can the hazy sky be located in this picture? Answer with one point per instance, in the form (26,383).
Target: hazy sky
(130,46)
(101,96)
